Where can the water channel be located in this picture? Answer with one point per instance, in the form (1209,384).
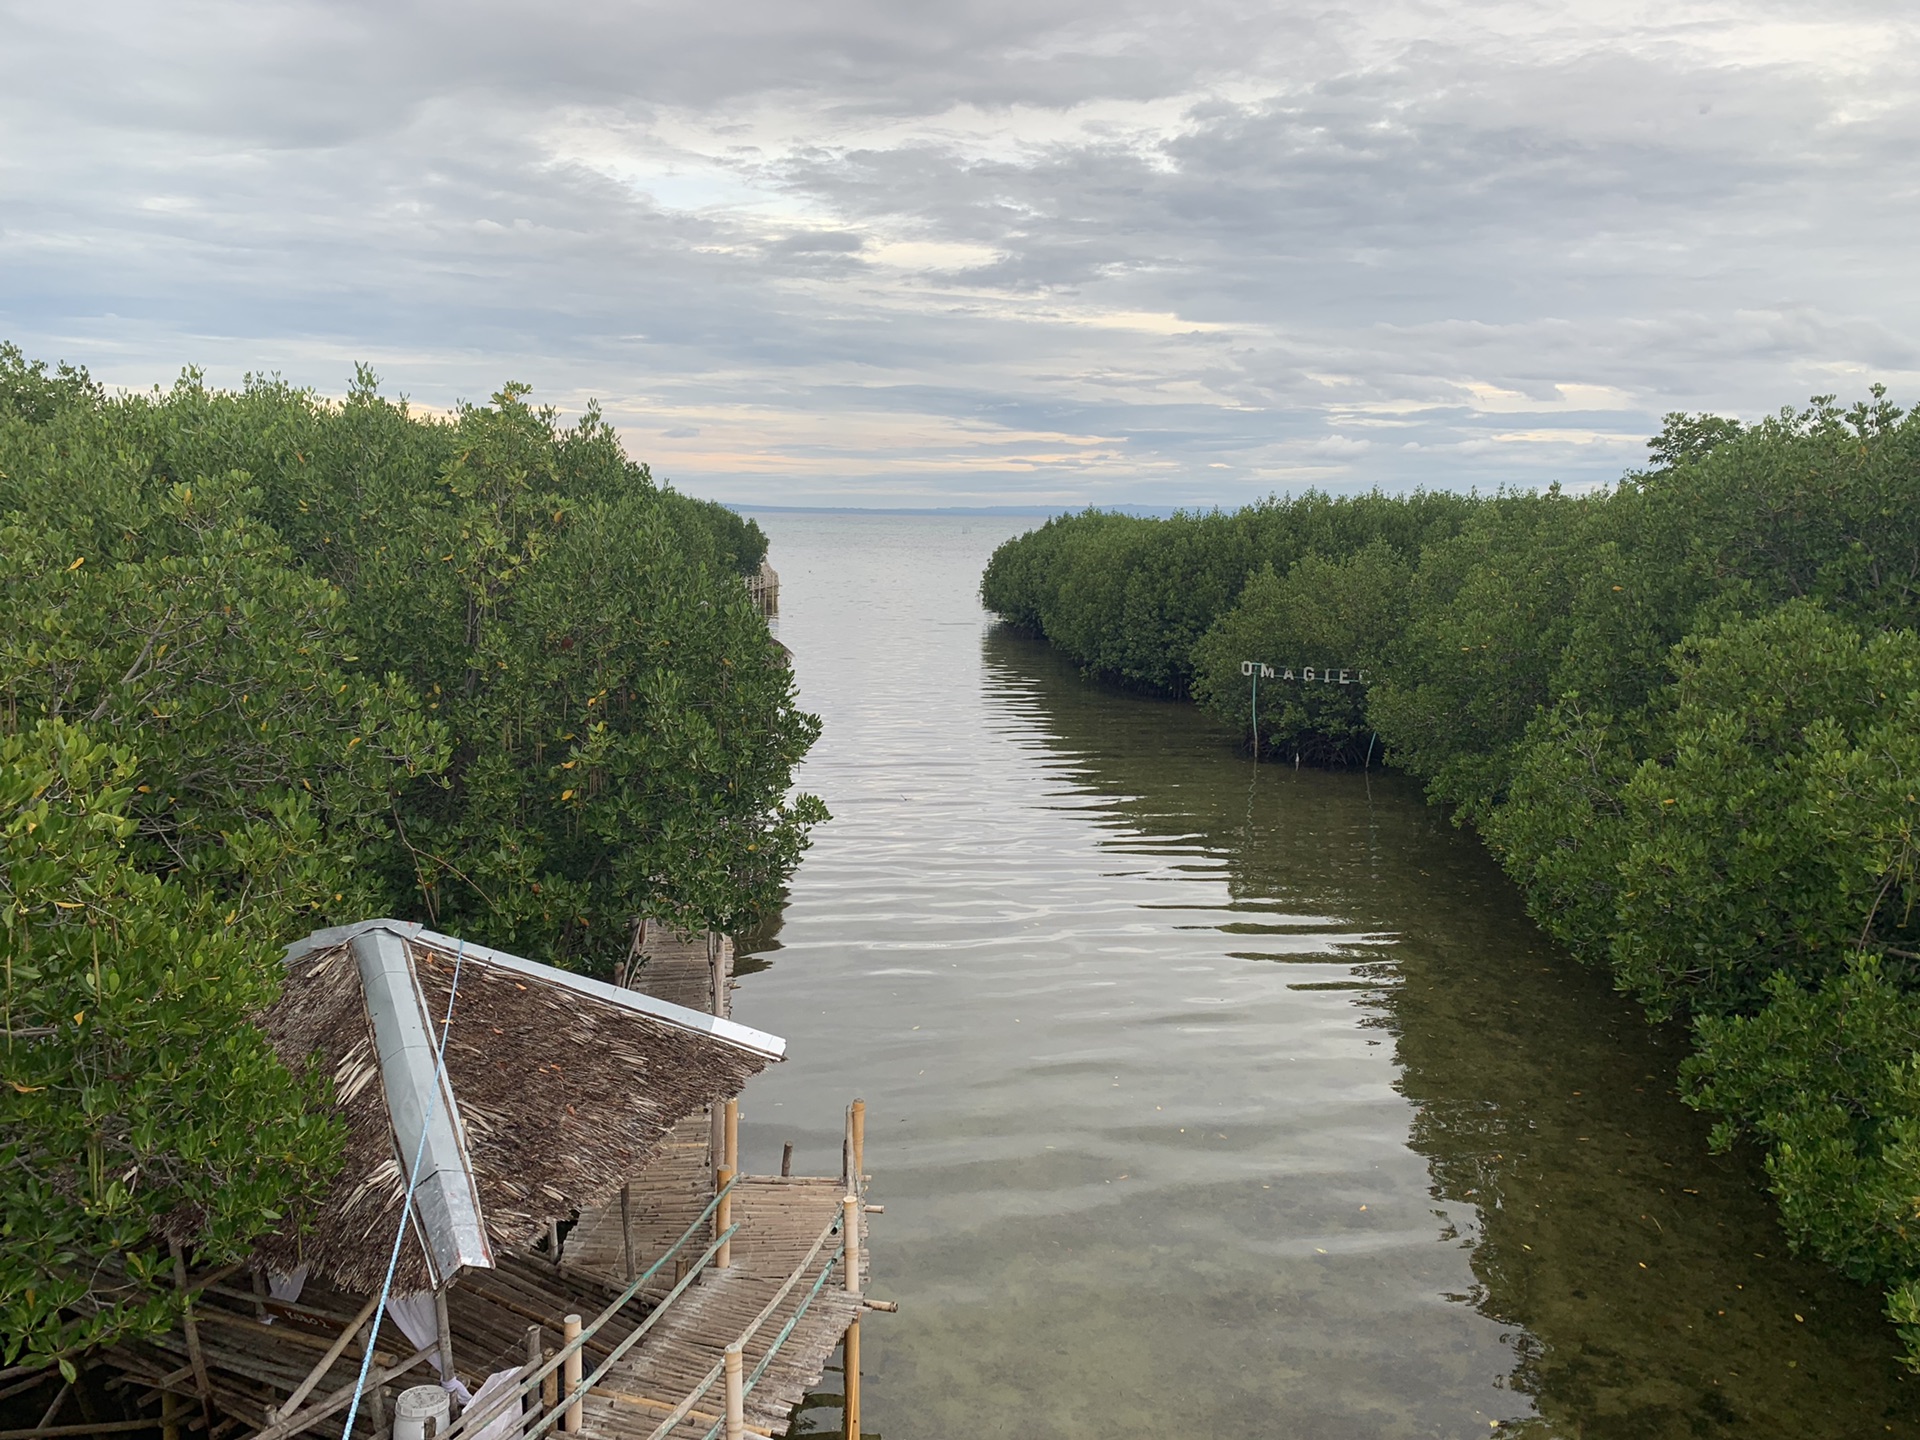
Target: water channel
(1214,1099)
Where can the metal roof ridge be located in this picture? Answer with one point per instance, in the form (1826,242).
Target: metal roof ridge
(421,1108)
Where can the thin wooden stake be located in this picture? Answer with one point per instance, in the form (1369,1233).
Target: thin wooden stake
(722,1219)
(626,1226)
(736,1394)
(570,1332)
(169,1415)
(553,1242)
(259,1294)
(852,1378)
(731,1144)
(860,1144)
(786,1160)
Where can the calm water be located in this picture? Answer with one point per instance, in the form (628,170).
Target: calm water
(1214,1100)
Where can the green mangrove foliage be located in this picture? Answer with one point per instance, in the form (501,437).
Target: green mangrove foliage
(1684,712)
(268,663)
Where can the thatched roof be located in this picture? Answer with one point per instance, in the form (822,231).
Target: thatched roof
(558,1090)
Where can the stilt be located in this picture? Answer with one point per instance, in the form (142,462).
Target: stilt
(850,1237)
(860,1145)
(570,1332)
(446,1332)
(852,1401)
(736,1394)
(530,1407)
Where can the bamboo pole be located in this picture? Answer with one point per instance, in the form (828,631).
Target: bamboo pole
(340,1398)
(195,1355)
(852,1364)
(731,1148)
(52,1412)
(90,1427)
(722,1220)
(786,1160)
(570,1332)
(319,1372)
(169,1415)
(736,1395)
(850,1236)
(860,1144)
(626,1226)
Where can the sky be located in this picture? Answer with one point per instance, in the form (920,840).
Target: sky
(986,252)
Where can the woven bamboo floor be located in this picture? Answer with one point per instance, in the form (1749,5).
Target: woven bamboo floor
(674,968)
(779,1220)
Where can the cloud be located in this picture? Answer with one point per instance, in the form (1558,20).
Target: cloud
(856,253)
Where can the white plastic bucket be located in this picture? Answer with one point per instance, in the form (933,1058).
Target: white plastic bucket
(422,1413)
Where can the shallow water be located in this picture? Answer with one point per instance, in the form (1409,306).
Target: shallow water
(1211,1099)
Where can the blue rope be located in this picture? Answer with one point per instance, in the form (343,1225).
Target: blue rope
(413,1179)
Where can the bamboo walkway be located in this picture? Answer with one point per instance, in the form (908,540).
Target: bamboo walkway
(773,1278)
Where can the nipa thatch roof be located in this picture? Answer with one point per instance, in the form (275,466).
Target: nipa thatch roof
(561,1088)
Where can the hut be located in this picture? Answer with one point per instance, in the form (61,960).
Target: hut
(494,1107)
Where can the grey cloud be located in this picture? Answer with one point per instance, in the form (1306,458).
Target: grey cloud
(992,251)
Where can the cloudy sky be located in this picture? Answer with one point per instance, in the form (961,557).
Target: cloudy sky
(988,251)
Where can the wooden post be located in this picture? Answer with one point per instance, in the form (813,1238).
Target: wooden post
(169,1415)
(786,1159)
(195,1355)
(446,1332)
(259,1294)
(626,1226)
(722,1219)
(736,1395)
(530,1406)
(850,1235)
(717,975)
(549,1389)
(553,1242)
(851,1357)
(859,1144)
(731,1144)
(376,1394)
(570,1332)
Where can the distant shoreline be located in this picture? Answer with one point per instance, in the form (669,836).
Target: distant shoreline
(1152,511)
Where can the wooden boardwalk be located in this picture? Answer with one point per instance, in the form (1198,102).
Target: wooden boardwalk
(780,1220)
